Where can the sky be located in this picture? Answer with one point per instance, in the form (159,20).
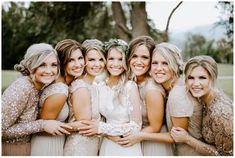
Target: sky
(189,15)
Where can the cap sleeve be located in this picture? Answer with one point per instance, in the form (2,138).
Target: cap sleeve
(179,102)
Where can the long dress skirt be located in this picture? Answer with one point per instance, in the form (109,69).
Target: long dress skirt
(78,145)
(47,145)
(110,148)
(16,149)
(151,148)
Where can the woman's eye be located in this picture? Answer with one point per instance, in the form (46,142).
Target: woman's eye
(80,58)
(91,59)
(110,58)
(55,65)
(154,63)
(145,57)
(202,77)
(190,78)
(165,63)
(134,56)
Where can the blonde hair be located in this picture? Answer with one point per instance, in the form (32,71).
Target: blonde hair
(95,44)
(122,47)
(172,55)
(35,55)
(64,49)
(207,62)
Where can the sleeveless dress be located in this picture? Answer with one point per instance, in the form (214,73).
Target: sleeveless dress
(48,145)
(181,104)
(151,148)
(121,117)
(76,144)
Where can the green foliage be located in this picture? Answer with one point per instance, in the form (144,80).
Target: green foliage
(197,44)
(50,22)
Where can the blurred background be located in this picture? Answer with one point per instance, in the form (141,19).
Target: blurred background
(197,27)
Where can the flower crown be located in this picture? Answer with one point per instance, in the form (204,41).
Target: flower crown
(118,43)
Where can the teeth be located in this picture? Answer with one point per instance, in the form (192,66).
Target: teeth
(139,67)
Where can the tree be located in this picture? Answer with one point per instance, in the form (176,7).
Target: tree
(139,22)
(226,18)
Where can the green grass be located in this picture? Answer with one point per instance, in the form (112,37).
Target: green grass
(8,76)
(226,84)
(225,70)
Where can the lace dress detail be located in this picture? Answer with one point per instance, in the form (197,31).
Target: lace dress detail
(181,104)
(217,127)
(46,144)
(76,144)
(151,148)
(121,116)
(19,112)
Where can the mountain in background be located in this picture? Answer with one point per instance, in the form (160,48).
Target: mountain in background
(208,31)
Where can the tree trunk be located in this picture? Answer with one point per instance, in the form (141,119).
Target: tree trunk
(139,19)
(120,22)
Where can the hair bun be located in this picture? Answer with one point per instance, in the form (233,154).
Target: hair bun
(22,69)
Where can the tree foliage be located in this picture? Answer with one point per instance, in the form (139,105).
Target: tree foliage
(50,22)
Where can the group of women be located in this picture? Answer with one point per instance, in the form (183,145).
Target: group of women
(115,99)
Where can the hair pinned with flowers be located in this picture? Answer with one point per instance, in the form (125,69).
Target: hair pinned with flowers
(121,45)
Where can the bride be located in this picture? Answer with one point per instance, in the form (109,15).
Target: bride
(119,102)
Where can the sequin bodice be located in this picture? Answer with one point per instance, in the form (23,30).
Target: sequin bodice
(19,111)
(218,124)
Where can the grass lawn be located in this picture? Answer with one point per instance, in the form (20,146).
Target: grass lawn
(224,82)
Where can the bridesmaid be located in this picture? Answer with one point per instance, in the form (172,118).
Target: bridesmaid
(152,95)
(181,109)
(82,103)
(217,126)
(39,68)
(53,101)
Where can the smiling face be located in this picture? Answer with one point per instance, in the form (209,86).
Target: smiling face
(94,62)
(140,61)
(47,72)
(75,65)
(160,70)
(114,62)
(198,82)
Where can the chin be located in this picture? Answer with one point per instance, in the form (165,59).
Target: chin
(160,81)
(196,95)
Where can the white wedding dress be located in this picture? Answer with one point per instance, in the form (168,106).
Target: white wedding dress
(122,115)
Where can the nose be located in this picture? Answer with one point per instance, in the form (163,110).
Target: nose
(196,82)
(116,62)
(79,63)
(138,60)
(159,66)
(48,69)
(97,63)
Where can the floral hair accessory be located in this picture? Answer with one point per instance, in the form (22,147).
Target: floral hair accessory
(117,43)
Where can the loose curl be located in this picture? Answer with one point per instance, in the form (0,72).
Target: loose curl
(207,62)
(172,55)
(35,55)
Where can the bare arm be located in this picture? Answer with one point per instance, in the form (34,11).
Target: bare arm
(52,106)
(155,111)
(81,104)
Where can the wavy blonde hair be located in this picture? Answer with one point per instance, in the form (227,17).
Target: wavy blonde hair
(207,62)
(172,55)
(35,55)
